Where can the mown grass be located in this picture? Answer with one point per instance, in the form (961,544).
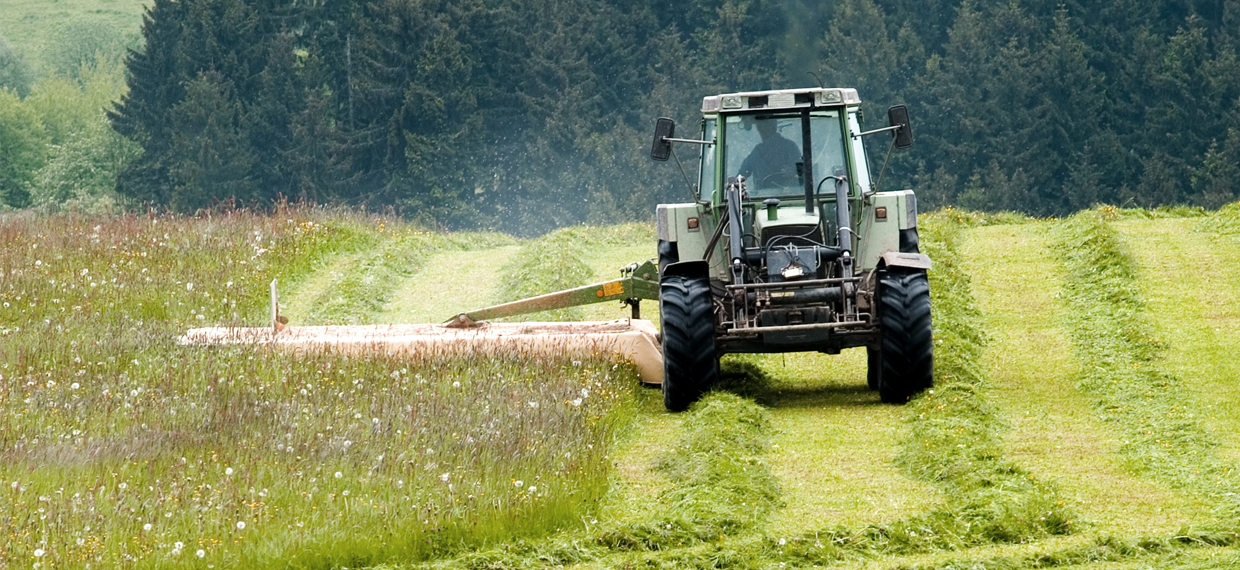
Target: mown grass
(124,449)
(1159,420)
(365,283)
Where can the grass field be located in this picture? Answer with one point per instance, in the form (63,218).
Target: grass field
(1082,414)
(35,27)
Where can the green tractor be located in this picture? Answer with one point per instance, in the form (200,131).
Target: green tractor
(788,246)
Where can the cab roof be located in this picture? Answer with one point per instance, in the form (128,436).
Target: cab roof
(780,99)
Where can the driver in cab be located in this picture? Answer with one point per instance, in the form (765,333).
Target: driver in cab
(773,161)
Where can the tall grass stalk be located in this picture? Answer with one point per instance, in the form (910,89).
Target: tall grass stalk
(124,449)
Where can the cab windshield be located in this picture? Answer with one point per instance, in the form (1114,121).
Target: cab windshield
(766,150)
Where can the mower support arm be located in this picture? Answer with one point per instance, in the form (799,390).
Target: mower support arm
(639,282)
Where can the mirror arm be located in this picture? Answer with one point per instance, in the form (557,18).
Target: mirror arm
(882,130)
(692,189)
(670,139)
(879,180)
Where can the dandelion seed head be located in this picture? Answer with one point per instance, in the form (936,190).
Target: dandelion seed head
(146,527)
(38,553)
(240,525)
(339,474)
(201,553)
(228,470)
(519,483)
(533,489)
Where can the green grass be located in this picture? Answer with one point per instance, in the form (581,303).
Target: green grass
(1033,373)
(123,448)
(1160,420)
(35,26)
(791,464)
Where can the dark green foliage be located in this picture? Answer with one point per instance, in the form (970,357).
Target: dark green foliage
(533,114)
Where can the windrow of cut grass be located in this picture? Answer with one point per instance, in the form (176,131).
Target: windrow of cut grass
(1159,420)
(955,436)
(547,264)
(124,449)
(359,286)
(721,492)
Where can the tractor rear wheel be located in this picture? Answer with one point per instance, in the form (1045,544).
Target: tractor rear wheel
(690,363)
(906,353)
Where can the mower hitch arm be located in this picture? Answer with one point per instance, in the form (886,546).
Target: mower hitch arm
(640,282)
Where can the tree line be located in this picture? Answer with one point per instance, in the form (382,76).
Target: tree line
(524,115)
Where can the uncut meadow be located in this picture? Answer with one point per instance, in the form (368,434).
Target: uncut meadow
(124,449)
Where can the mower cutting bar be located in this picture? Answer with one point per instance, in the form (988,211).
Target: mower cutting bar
(641,283)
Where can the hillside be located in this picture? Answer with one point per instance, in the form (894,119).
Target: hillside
(1082,415)
(38,28)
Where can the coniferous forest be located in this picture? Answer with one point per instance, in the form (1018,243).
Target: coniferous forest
(524,115)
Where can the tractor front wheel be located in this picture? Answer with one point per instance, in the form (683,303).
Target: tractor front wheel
(668,254)
(905,358)
(690,363)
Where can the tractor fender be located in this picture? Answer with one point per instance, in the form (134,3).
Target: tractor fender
(696,268)
(909,260)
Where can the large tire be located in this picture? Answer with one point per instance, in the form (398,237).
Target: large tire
(690,364)
(668,254)
(906,353)
(873,368)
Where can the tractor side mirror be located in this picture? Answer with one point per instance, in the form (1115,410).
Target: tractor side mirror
(664,129)
(897,116)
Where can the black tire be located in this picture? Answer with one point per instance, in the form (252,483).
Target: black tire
(668,254)
(873,366)
(906,353)
(690,363)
